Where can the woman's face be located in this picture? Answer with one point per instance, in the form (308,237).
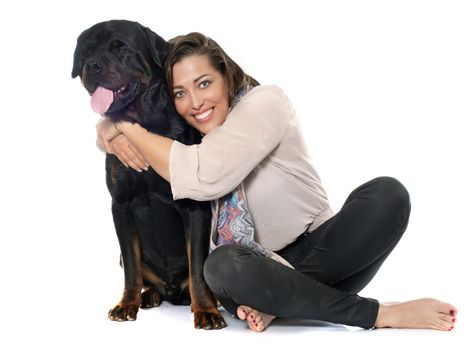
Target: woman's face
(200,93)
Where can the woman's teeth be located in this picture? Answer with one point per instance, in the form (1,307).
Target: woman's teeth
(204,115)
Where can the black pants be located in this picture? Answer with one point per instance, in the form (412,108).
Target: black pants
(332,263)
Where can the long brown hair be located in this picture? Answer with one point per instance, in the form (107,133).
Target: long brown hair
(198,44)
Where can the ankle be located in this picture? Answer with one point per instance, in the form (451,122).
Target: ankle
(384,316)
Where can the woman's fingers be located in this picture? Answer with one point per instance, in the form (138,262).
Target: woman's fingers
(105,144)
(106,131)
(128,154)
(135,156)
(112,141)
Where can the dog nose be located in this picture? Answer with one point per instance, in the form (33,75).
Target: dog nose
(94,67)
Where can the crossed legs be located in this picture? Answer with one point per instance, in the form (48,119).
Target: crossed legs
(332,264)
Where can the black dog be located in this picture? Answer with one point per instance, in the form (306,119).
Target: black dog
(163,242)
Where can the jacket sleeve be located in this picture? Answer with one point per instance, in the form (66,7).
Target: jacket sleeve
(227,154)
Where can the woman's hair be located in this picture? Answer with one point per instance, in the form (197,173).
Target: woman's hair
(198,44)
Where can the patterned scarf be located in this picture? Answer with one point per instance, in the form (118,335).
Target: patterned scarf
(231,215)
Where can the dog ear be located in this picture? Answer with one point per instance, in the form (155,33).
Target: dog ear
(158,47)
(77,65)
(77,60)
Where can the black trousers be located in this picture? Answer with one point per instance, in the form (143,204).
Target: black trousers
(332,263)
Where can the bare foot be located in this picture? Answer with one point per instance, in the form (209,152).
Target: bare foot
(422,313)
(257,321)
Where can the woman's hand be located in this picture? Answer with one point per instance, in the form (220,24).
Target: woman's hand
(111,140)
(140,148)
(107,131)
(128,154)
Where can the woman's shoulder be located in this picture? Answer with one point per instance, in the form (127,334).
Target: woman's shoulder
(267,91)
(266,102)
(267,95)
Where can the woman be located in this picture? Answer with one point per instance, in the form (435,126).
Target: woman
(288,256)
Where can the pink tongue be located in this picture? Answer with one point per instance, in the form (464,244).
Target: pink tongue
(101,100)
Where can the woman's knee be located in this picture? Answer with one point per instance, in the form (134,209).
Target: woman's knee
(214,264)
(222,265)
(393,198)
(394,192)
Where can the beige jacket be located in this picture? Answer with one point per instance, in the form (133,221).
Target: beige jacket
(261,144)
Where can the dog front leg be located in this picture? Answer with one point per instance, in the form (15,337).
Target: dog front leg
(203,303)
(127,308)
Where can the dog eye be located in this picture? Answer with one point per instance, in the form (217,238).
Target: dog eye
(119,47)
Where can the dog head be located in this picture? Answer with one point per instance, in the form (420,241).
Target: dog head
(120,64)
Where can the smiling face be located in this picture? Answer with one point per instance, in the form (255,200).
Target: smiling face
(200,93)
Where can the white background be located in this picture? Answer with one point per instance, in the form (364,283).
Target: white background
(380,88)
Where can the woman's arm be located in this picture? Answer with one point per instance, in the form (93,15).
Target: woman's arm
(119,146)
(107,132)
(154,148)
(228,153)
(128,154)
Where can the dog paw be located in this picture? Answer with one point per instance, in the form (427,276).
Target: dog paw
(123,313)
(150,298)
(209,320)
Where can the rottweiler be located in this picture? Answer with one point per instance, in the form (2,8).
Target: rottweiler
(163,242)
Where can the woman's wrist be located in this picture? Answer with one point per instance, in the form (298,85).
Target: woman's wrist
(122,127)
(107,131)
(154,148)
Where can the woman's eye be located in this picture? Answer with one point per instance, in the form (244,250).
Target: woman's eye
(204,84)
(178,94)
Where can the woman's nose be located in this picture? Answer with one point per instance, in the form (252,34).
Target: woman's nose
(197,101)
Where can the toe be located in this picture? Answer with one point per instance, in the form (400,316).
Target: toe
(240,312)
(257,319)
(260,325)
(243,312)
(443,324)
(254,319)
(253,314)
(447,309)
(453,311)
(258,322)
(448,318)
